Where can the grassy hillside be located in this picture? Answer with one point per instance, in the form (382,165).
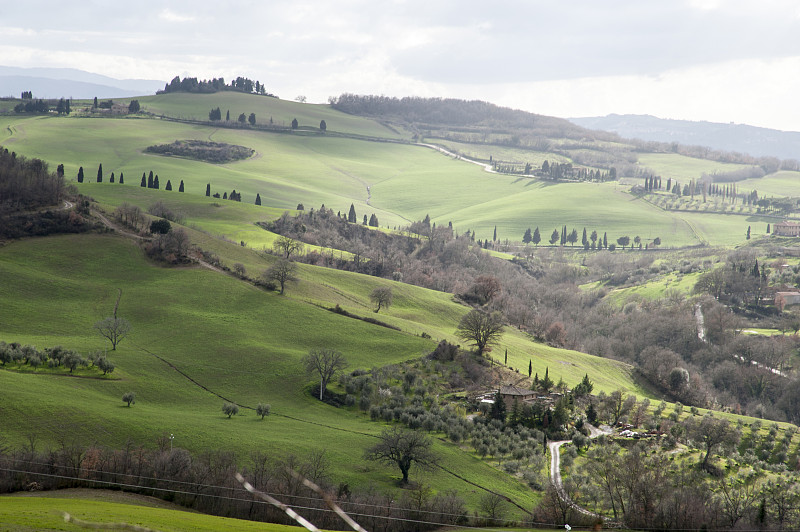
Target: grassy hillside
(399,183)
(45,513)
(234,341)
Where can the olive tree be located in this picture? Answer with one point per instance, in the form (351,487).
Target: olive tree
(129,397)
(230,409)
(263,409)
(326,363)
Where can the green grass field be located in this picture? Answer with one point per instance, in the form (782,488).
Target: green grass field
(682,167)
(781,183)
(399,183)
(45,512)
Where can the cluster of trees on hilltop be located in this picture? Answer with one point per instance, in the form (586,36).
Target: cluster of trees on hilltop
(27,183)
(239,84)
(61,106)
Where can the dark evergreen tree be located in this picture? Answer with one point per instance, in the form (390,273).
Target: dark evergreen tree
(294,123)
(530,368)
(169,185)
(144,181)
(60,170)
(111,178)
(537,237)
(150,180)
(155,182)
(252,119)
(365,220)
(100,173)
(584,238)
(605,240)
(228,115)
(748,232)
(224,195)
(351,216)
(80,174)
(242,118)
(373,221)
(527,237)
(564,235)
(323,126)
(258,199)
(180,187)
(94,105)
(121,178)
(767,228)
(494,236)
(554,237)
(134,107)
(208,190)
(498,410)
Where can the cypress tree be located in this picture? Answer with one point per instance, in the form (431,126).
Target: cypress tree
(258,199)
(527,237)
(155,182)
(144,181)
(351,216)
(80,174)
(169,185)
(180,188)
(530,368)
(537,237)
(100,173)
(224,195)
(494,237)
(150,180)
(111,179)
(208,190)
(121,178)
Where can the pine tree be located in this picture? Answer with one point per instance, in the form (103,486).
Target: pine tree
(258,199)
(80,174)
(169,185)
(144,181)
(537,237)
(208,190)
(180,187)
(100,173)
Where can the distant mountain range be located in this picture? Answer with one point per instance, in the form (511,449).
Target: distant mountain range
(70,82)
(756,141)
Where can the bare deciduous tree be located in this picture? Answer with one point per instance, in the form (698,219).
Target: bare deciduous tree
(326,363)
(114,329)
(403,447)
(287,246)
(381,296)
(281,272)
(482,328)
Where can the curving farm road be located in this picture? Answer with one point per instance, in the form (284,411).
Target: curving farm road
(555,466)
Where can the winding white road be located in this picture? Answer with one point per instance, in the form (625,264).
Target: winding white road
(555,466)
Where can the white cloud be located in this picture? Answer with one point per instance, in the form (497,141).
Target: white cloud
(172,16)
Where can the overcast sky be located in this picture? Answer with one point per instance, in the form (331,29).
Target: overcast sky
(718,60)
